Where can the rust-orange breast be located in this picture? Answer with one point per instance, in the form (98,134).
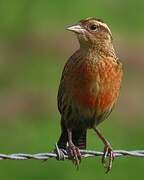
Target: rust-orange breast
(96,85)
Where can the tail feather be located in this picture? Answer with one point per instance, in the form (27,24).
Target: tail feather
(78,138)
(62,142)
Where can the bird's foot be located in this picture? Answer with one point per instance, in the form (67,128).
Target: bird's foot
(75,154)
(108,151)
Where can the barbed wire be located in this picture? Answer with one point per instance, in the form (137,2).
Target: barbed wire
(64,154)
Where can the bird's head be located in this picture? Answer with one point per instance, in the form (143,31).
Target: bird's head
(92,31)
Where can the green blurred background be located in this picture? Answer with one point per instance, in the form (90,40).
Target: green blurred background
(34,47)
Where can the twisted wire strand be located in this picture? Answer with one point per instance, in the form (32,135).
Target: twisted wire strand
(64,154)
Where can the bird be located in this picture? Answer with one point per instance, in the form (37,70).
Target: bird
(89,88)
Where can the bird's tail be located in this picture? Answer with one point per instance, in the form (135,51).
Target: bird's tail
(78,138)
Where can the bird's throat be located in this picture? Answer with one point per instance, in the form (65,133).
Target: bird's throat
(99,49)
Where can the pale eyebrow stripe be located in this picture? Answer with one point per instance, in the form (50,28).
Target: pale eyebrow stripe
(105,26)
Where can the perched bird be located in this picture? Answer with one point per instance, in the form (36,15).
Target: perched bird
(89,87)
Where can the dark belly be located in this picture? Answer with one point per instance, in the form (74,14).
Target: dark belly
(90,95)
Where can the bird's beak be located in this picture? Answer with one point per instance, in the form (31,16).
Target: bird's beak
(76,28)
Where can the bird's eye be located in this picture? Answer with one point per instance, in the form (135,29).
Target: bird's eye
(93,27)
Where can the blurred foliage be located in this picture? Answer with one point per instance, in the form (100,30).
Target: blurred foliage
(19,15)
(33,49)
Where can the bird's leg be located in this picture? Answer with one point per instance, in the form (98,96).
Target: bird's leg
(107,151)
(74,151)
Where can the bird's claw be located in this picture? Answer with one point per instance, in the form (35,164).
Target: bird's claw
(108,151)
(75,154)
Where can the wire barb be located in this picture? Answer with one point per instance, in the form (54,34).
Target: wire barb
(61,154)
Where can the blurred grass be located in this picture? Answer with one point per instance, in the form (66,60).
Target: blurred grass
(18,16)
(33,50)
(38,71)
(40,137)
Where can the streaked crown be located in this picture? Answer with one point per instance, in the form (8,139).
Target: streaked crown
(92,30)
